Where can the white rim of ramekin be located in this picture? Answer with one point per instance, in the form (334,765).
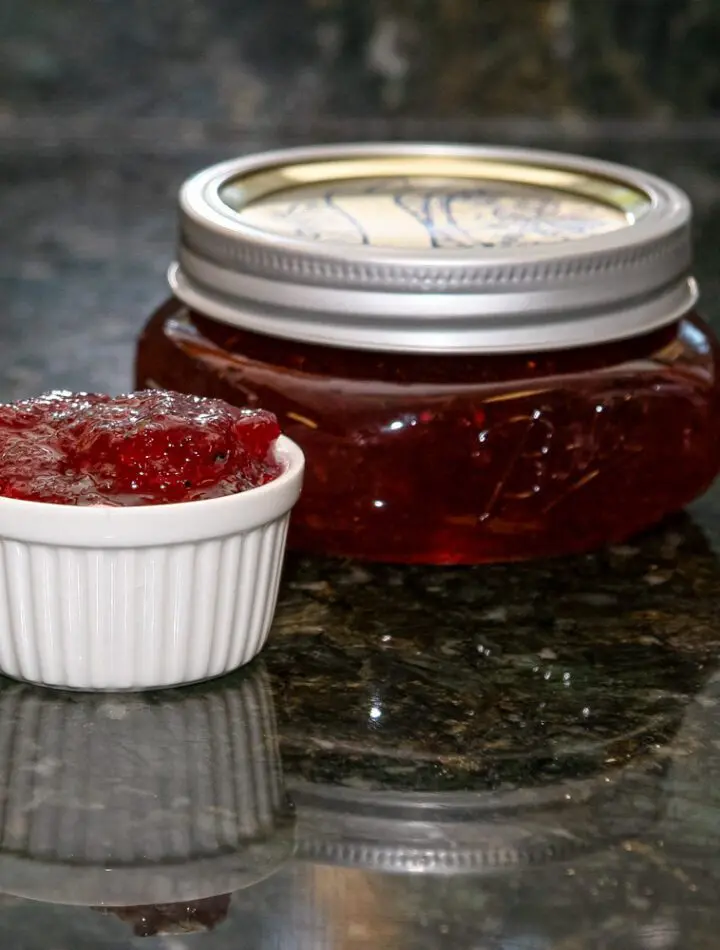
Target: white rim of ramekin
(152,525)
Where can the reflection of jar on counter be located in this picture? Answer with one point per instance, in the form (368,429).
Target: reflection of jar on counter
(486,354)
(158,806)
(691,827)
(411,870)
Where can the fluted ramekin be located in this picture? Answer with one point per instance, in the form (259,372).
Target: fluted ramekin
(99,598)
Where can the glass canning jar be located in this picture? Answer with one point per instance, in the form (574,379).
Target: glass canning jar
(487,354)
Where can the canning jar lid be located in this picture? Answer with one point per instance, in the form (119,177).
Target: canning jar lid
(434,248)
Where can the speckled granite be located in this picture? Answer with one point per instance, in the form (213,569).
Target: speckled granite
(523,757)
(491,678)
(541,741)
(531,750)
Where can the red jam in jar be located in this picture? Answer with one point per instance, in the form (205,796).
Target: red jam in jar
(146,448)
(486,354)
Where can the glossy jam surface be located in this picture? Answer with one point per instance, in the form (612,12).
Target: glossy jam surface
(467,459)
(146,448)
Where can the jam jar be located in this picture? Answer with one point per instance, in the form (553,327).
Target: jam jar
(487,354)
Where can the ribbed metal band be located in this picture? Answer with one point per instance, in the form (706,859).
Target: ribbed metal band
(535,296)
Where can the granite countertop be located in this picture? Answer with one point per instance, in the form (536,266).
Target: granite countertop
(517,757)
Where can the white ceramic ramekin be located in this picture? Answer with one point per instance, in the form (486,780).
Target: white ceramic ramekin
(135,598)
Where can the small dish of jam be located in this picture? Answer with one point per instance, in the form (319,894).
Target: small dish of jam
(487,354)
(141,537)
(146,448)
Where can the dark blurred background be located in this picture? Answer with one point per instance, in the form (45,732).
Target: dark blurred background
(287,64)
(105,106)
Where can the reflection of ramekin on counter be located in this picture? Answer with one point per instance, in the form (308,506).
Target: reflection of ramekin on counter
(136,800)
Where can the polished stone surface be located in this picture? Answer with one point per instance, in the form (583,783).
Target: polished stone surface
(499,757)
(523,757)
(507,757)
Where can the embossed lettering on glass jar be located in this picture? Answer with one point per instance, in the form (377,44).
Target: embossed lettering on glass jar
(487,354)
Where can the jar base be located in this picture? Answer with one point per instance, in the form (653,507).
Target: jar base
(455,553)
